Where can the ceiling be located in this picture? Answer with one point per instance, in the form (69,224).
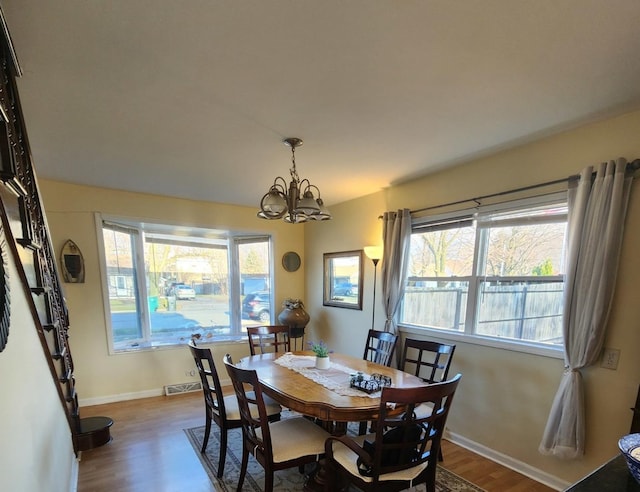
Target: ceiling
(192,98)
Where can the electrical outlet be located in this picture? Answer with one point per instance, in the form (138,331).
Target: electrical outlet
(610,358)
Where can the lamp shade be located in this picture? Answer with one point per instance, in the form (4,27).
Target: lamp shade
(308,205)
(373,252)
(324,213)
(274,203)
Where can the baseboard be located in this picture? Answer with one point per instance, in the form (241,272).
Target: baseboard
(504,460)
(99,400)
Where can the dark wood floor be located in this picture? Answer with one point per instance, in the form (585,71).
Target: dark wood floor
(150,452)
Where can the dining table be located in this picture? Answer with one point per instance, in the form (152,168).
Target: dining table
(298,391)
(325,394)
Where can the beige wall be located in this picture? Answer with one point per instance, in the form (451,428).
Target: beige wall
(505,396)
(103,377)
(36,446)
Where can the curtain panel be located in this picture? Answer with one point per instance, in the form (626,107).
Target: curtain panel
(597,210)
(396,235)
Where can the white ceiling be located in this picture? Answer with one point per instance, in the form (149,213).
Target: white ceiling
(192,98)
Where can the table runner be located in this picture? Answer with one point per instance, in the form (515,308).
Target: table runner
(336,378)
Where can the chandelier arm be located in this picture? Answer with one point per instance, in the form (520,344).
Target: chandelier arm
(304,187)
(310,186)
(280,184)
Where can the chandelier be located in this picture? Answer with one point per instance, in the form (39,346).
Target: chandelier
(297,203)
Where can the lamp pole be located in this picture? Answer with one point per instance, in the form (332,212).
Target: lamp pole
(375,271)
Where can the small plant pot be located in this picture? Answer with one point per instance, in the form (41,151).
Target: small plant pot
(322,362)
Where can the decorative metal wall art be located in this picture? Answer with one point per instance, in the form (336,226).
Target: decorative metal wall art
(5,301)
(72,263)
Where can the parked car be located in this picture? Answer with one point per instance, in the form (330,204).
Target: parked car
(343,289)
(256,306)
(183,291)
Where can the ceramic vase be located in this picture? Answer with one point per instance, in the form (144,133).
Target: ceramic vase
(296,319)
(323,362)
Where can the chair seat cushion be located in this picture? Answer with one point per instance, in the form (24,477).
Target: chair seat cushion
(296,437)
(233,413)
(348,460)
(423,410)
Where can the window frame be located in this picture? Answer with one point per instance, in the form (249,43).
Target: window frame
(479,214)
(233,241)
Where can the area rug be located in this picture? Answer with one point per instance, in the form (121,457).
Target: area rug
(284,480)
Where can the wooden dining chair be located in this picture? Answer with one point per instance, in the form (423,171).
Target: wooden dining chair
(218,408)
(379,347)
(276,446)
(426,359)
(266,339)
(405,454)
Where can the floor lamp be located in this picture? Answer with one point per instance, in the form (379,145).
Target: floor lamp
(374,253)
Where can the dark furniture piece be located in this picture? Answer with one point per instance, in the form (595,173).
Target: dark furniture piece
(395,464)
(635,421)
(613,476)
(93,432)
(218,408)
(273,338)
(276,446)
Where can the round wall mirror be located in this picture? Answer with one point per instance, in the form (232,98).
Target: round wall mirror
(291,261)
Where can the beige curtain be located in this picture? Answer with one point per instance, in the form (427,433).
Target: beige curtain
(597,210)
(396,235)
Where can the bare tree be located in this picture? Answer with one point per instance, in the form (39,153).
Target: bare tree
(515,251)
(443,253)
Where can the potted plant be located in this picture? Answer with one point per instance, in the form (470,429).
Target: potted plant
(322,354)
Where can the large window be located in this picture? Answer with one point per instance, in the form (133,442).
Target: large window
(165,284)
(494,272)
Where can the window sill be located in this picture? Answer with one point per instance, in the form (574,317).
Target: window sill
(148,347)
(524,347)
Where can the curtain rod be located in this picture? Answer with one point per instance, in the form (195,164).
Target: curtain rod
(631,166)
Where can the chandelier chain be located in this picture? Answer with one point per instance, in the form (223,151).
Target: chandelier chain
(293,170)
